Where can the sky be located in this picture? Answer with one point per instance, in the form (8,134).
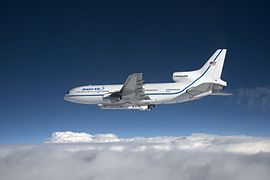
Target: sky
(47,48)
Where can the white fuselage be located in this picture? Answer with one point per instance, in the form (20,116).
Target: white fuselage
(159,93)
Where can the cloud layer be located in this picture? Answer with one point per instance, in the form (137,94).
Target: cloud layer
(194,142)
(198,156)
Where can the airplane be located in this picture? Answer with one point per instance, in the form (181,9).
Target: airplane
(135,94)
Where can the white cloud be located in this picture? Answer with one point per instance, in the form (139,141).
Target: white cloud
(258,97)
(75,137)
(198,156)
(194,142)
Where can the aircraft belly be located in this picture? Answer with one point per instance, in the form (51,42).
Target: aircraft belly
(163,99)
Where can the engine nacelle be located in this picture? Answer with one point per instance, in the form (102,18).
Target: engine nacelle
(184,76)
(217,88)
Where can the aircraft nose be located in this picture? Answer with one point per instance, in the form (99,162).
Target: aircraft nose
(66,98)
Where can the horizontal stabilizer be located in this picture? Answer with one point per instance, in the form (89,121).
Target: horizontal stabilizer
(221,94)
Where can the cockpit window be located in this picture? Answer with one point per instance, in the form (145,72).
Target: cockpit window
(68,92)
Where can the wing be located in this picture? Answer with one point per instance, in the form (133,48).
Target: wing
(133,88)
(131,92)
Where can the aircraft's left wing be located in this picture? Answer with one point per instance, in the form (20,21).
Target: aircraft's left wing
(133,88)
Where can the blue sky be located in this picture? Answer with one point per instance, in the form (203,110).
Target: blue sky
(46,48)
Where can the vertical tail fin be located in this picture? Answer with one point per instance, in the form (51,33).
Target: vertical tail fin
(213,67)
